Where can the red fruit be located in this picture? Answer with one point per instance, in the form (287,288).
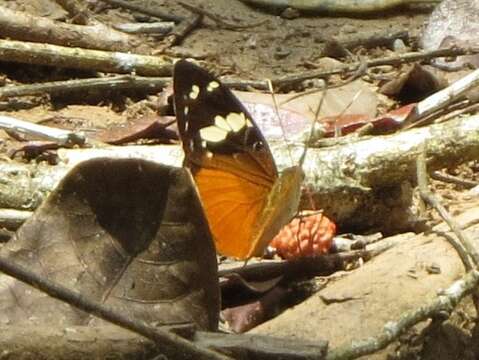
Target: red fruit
(309,235)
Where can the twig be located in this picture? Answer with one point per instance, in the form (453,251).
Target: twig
(77,58)
(358,73)
(377,39)
(345,6)
(145,10)
(261,347)
(433,201)
(217,19)
(146,28)
(170,344)
(306,266)
(442,98)
(79,15)
(70,86)
(22,26)
(12,219)
(393,60)
(59,136)
(468,184)
(104,341)
(446,302)
(180,32)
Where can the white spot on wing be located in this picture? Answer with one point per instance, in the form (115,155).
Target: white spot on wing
(195,91)
(185,110)
(222,123)
(236,121)
(213,134)
(212,85)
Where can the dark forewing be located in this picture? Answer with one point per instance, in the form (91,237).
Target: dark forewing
(211,120)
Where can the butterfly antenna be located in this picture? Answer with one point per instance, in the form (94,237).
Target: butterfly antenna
(309,140)
(276,110)
(337,131)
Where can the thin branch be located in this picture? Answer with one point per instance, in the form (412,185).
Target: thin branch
(71,86)
(442,98)
(306,266)
(79,58)
(180,31)
(445,302)
(151,11)
(170,344)
(59,136)
(468,184)
(344,6)
(161,27)
(19,25)
(217,19)
(433,201)
(392,60)
(12,219)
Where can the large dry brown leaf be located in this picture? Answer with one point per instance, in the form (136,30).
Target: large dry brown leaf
(129,233)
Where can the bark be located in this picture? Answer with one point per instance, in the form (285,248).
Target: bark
(79,58)
(22,26)
(376,173)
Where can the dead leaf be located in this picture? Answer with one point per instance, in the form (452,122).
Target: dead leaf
(415,84)
(297,115)
(382,124)
(129,233)
(156,127)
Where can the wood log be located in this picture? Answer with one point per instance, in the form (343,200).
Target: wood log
(376,173)
(80,58)
(22,26)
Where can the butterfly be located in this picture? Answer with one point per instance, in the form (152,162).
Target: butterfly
(246,200)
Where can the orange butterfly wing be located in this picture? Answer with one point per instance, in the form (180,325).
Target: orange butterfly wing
(231,163)
(233,205)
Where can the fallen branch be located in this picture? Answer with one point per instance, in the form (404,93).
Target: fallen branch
(465,248)
(59,136)
(147,10)
(78,58)
(288,80)
(162,27)
(170,344)
(344,180)
(22,26)
(115,343)
(302,268)
(345,6)
(217,19)
(442,98)
(180,31)
(12,219)
(130,82)
(445,302)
